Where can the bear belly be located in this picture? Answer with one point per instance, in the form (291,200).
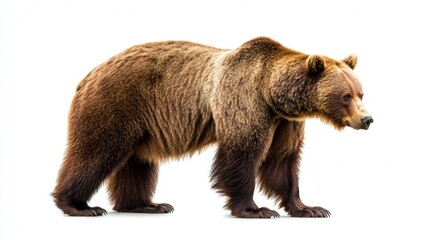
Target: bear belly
(179,140)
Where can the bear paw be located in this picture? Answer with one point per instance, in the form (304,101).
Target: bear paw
(311,212)
(256,213)
(85,212)
(153,208)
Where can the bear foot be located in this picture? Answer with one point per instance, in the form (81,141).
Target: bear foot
(78,208)
(256,213)
(86,212)
(153,208)
(311,212)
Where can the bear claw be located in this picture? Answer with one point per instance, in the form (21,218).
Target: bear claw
(258,213)
(87,212)
(311,212)
(154,208)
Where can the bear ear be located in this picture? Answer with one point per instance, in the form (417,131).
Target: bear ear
(315,64)
(351,61)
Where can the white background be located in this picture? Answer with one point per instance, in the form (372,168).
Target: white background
(374,182)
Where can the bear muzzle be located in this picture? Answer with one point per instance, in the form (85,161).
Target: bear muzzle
(359,123)
(359,117)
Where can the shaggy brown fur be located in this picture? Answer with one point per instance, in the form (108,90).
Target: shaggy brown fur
(167,99)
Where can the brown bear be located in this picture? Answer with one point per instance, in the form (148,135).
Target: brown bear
(167,99)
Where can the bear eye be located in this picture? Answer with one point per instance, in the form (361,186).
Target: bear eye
(347,98)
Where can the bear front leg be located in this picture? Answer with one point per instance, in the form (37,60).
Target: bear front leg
(234,172)
(233,175)
(278,174)
(244,129)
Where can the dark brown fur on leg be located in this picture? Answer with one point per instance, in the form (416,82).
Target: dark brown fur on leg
(279,173)
(233,175)
(98,143)
(132,187)
(77,183)
(234,172)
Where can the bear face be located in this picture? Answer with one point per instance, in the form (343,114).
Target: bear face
(318,86)
(339,94)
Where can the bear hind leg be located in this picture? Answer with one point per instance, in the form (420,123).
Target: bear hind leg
(132,187)
(78,180)
(78,208)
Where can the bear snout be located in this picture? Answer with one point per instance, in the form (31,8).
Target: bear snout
(359,123)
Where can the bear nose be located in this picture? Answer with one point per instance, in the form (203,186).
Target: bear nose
(366,121)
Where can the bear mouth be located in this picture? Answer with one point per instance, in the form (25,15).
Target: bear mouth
(357,127)
(358,123)
(354,126)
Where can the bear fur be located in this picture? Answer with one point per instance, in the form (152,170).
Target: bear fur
(167,99)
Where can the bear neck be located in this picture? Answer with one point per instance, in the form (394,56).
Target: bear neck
(292,95)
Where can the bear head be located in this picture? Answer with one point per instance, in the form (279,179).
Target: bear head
(317,86)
